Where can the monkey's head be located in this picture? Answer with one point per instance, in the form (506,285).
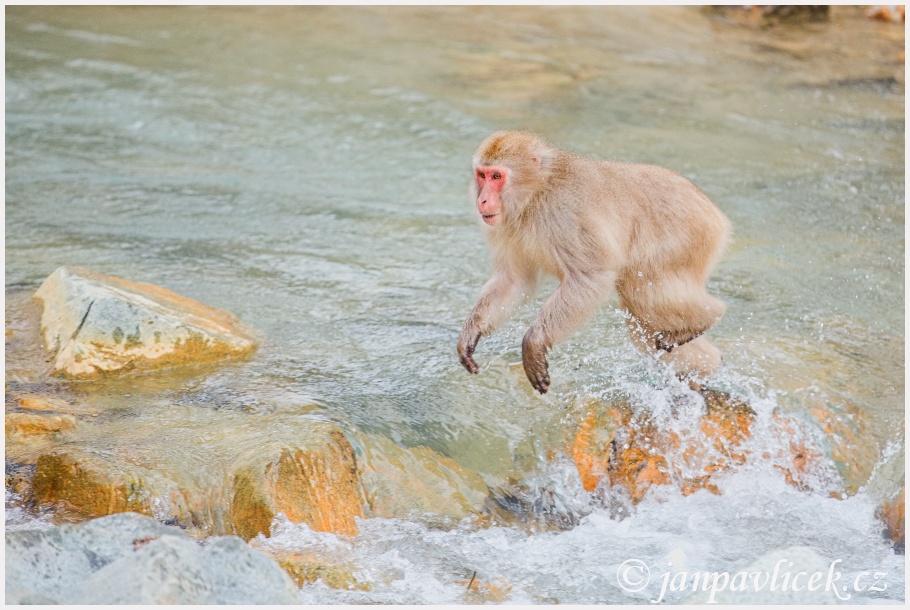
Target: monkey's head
(509,168)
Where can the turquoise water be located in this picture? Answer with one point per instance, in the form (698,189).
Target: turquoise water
(307,169)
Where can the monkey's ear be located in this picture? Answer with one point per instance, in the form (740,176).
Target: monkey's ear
(542,156)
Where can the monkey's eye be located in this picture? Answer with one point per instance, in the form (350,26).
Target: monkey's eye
(497,176)
(481,175)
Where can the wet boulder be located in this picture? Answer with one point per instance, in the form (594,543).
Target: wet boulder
(622,447)
(131,559)
(86,486)
(846,440)
(37,424)
(407,482)
(99,324)
(216,473)
(318,486)
(309,568)
(891,514)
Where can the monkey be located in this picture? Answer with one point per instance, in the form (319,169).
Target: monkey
(603,228)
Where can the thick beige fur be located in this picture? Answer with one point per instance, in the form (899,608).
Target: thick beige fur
(641,231)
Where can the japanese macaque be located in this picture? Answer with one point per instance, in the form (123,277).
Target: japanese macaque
(641,231)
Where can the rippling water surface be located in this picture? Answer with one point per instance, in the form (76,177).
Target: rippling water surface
(307,168)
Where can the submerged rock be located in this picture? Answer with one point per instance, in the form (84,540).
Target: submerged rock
(37,424)
(216,472)
(319,487)
(307,568)
(407,482)
(892,515)
(236,481)
(631,450)
(39,403)
(766,16)
(847,438)
(99,324)
(86,486)
(530,507)
(478,591)
(131,559)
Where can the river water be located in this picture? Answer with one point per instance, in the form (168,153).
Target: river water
(307,169)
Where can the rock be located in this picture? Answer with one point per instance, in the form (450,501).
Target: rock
(215,472)
(33,402)
(30,424)
(98,324)
(37,402)
(845,428)
(84,487)
(404,482)
(319,487)
(26,358)
(131,559)
(478,591)
(243,474)
(766,16)
(78,481)
(790,13)
(316,485)
(892,515)
(630,450)
(18,480)
(305,569)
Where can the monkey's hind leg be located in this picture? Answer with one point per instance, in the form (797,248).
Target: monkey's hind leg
(695,359)
(669,323)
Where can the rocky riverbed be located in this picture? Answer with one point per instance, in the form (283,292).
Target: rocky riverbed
(239,253)
(211,472)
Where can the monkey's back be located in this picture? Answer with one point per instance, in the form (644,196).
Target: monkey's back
(671,221)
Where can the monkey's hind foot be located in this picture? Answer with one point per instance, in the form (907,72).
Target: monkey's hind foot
(696,358)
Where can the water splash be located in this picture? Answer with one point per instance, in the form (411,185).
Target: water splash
(406,562)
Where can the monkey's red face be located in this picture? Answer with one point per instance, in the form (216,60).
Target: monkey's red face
(490,180)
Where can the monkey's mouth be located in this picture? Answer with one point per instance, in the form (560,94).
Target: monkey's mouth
(490,218)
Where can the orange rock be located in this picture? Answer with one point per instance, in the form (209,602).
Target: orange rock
(690,486)
(31,424)
(629,450)
(892,514)
(726,419)
(478,591)
(305,569)
(653,472)
(319,487)
(594,441)
(399,482)
(38,402)
(62,480)
(846,427)
(251,512)
(592,459)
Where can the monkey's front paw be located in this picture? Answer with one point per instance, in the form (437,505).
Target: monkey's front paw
(468,363)
(467,343)
(534,358)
